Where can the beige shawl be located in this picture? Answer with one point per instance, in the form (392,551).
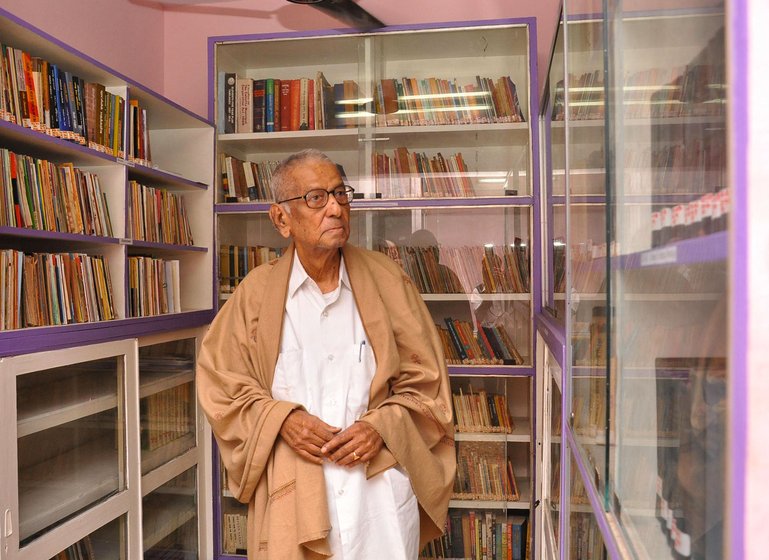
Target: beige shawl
(409,404)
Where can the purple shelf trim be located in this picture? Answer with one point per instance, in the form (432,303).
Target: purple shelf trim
(596,503)
(738,51)
(29,233)
(479,371)
(38,339)
(554,335)
(709,248)
(166,246)
(67,48)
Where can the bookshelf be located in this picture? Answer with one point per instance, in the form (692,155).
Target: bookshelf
(97,393)
(67,201)
(636,260)
(445,167)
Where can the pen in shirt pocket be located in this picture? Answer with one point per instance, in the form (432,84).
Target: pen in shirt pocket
(360,350)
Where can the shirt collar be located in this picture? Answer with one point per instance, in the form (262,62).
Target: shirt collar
(299,276)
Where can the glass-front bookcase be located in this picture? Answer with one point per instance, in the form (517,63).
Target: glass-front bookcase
(635,109)
(433,129)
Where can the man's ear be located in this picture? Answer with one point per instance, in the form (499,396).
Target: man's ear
(280,219)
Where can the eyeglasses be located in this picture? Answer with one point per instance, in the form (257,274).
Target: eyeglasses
(318,198)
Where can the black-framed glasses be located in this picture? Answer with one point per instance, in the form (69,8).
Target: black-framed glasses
(318,198)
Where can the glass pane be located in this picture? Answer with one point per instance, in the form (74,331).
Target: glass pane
(586,207)
(106,542)
(475,281)
(473,84)
(167,406)
(553,156)
(70,441)
(555,450)
(492,490)
(669,329)
(245,241)
(170,520)
(585,538)
(234,523)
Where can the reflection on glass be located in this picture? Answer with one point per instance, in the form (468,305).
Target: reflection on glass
(668,326)
(469,132)
(476,282)
(70,441)
(169,519)
(585,112)
(167,405)
(585,538)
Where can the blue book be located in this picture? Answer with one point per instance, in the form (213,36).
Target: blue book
(269,105)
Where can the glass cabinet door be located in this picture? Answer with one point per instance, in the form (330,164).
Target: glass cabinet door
(167,404)
(553,183)
(170,519)
(65,442)
(669,320)
(452,113)
(584,114)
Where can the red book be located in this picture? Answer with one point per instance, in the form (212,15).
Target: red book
(285,105)
(311,103)
(294,95)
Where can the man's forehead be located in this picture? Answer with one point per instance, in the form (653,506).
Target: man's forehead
(315,174)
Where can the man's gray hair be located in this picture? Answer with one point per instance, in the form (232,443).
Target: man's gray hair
(282,183)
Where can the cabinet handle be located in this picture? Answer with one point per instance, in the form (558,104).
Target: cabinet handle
(7,531)
(377,139)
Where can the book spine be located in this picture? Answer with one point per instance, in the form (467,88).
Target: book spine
(229,102)
(285,105)
(259,93)
(269,105)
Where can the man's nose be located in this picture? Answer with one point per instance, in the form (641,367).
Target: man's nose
(333,208)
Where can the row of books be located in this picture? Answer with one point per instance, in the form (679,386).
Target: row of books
(158,215)
(586,97)
(481,411)
(702,216)
(235,261)
(482,535)
(41,289)
(234,533)
(81,550)
(153,286)
(486,269)
(42,195)
(693,90)
(166,416)
(484,473)
(243,180)
(415,174)
(412,101)
(271,105)
(40,95)
(693,165)
(480,345)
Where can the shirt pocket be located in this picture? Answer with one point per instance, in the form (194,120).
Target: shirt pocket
(286,384)
(363,366)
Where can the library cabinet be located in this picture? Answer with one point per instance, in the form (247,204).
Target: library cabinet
(105,455)
(106,236)
(432,127)
(635,290)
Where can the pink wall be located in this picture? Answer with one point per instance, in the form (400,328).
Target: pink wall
(123,35)
(165,48)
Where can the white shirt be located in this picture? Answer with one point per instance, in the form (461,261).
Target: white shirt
(326,364)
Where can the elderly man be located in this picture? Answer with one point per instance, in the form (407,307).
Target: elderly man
(326,388)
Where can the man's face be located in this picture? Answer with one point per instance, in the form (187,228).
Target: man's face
(326,228)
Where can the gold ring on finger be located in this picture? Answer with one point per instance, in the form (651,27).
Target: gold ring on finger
(355,456)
